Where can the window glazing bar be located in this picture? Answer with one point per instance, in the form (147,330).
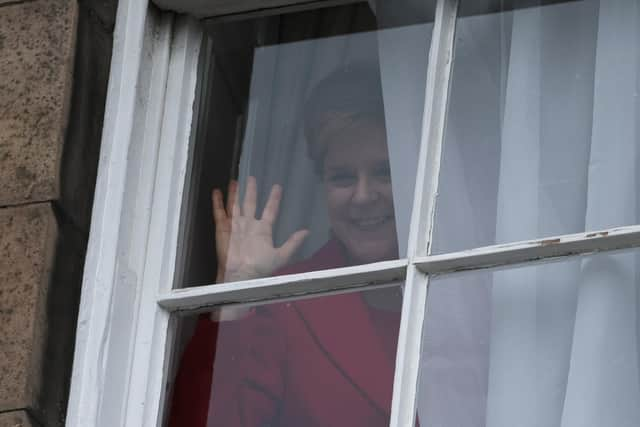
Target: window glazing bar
(531,250)
(403,407)
(279,287)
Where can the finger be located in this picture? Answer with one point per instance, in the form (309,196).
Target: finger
(270,212)
(219,214)
(290,247)
(250,195)
(232,199)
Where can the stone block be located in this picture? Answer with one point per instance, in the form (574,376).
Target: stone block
(6,2)
(15,419)
(28,236)
(37,46)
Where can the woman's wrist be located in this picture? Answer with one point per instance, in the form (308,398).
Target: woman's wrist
(225,276)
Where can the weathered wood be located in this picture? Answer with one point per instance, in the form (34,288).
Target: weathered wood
(216,8)
(405,382)
(280,287)
(531,250)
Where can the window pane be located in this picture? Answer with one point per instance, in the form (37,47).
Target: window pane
(542,135)
(315,119)
(325,361)
(554,344)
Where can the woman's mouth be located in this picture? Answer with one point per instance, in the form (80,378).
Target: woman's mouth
(371,222)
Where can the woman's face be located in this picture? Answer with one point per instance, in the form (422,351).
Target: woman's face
(357,181)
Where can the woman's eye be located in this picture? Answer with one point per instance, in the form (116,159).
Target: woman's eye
(342,179)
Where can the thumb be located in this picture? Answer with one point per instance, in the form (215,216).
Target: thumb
(292,244)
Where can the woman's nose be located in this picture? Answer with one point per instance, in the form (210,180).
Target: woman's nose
(364,191)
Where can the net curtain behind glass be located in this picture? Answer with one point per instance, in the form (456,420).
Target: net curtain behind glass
(563,341)
(547,126)
(274,149)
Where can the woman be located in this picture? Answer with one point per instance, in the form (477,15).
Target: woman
(314,362)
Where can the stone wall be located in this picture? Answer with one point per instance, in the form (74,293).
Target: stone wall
(54,64)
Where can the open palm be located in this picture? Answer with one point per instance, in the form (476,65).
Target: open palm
(244,243)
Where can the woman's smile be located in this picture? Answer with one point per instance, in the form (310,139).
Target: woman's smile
(371,223)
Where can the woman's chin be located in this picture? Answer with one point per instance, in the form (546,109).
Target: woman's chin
(364,247)
(368,252)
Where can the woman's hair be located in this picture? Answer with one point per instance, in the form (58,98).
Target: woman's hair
(350,95)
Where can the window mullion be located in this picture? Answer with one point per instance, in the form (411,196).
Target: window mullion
(415,293)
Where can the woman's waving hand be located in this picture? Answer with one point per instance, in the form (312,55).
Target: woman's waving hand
(244,242)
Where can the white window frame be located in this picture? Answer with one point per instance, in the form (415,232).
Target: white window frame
(125,326)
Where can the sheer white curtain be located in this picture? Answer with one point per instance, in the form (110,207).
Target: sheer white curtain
(274,149)
(564,337)
(403,64)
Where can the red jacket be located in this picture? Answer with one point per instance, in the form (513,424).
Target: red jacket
(324,361)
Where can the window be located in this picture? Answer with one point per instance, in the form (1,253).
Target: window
(525,166)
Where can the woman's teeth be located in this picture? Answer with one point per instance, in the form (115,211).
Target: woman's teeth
(371,221)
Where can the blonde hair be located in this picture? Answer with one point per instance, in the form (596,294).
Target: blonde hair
(349,95)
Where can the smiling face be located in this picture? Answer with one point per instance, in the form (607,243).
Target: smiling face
(357,181)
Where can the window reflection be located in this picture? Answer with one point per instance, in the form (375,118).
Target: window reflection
(305,141)
(325,361)
(346,140)
(316,172)
(542,135)
(545,344)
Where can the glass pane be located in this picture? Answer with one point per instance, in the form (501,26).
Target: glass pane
(542,135)
(553,344)
(312,120)
(323,361)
